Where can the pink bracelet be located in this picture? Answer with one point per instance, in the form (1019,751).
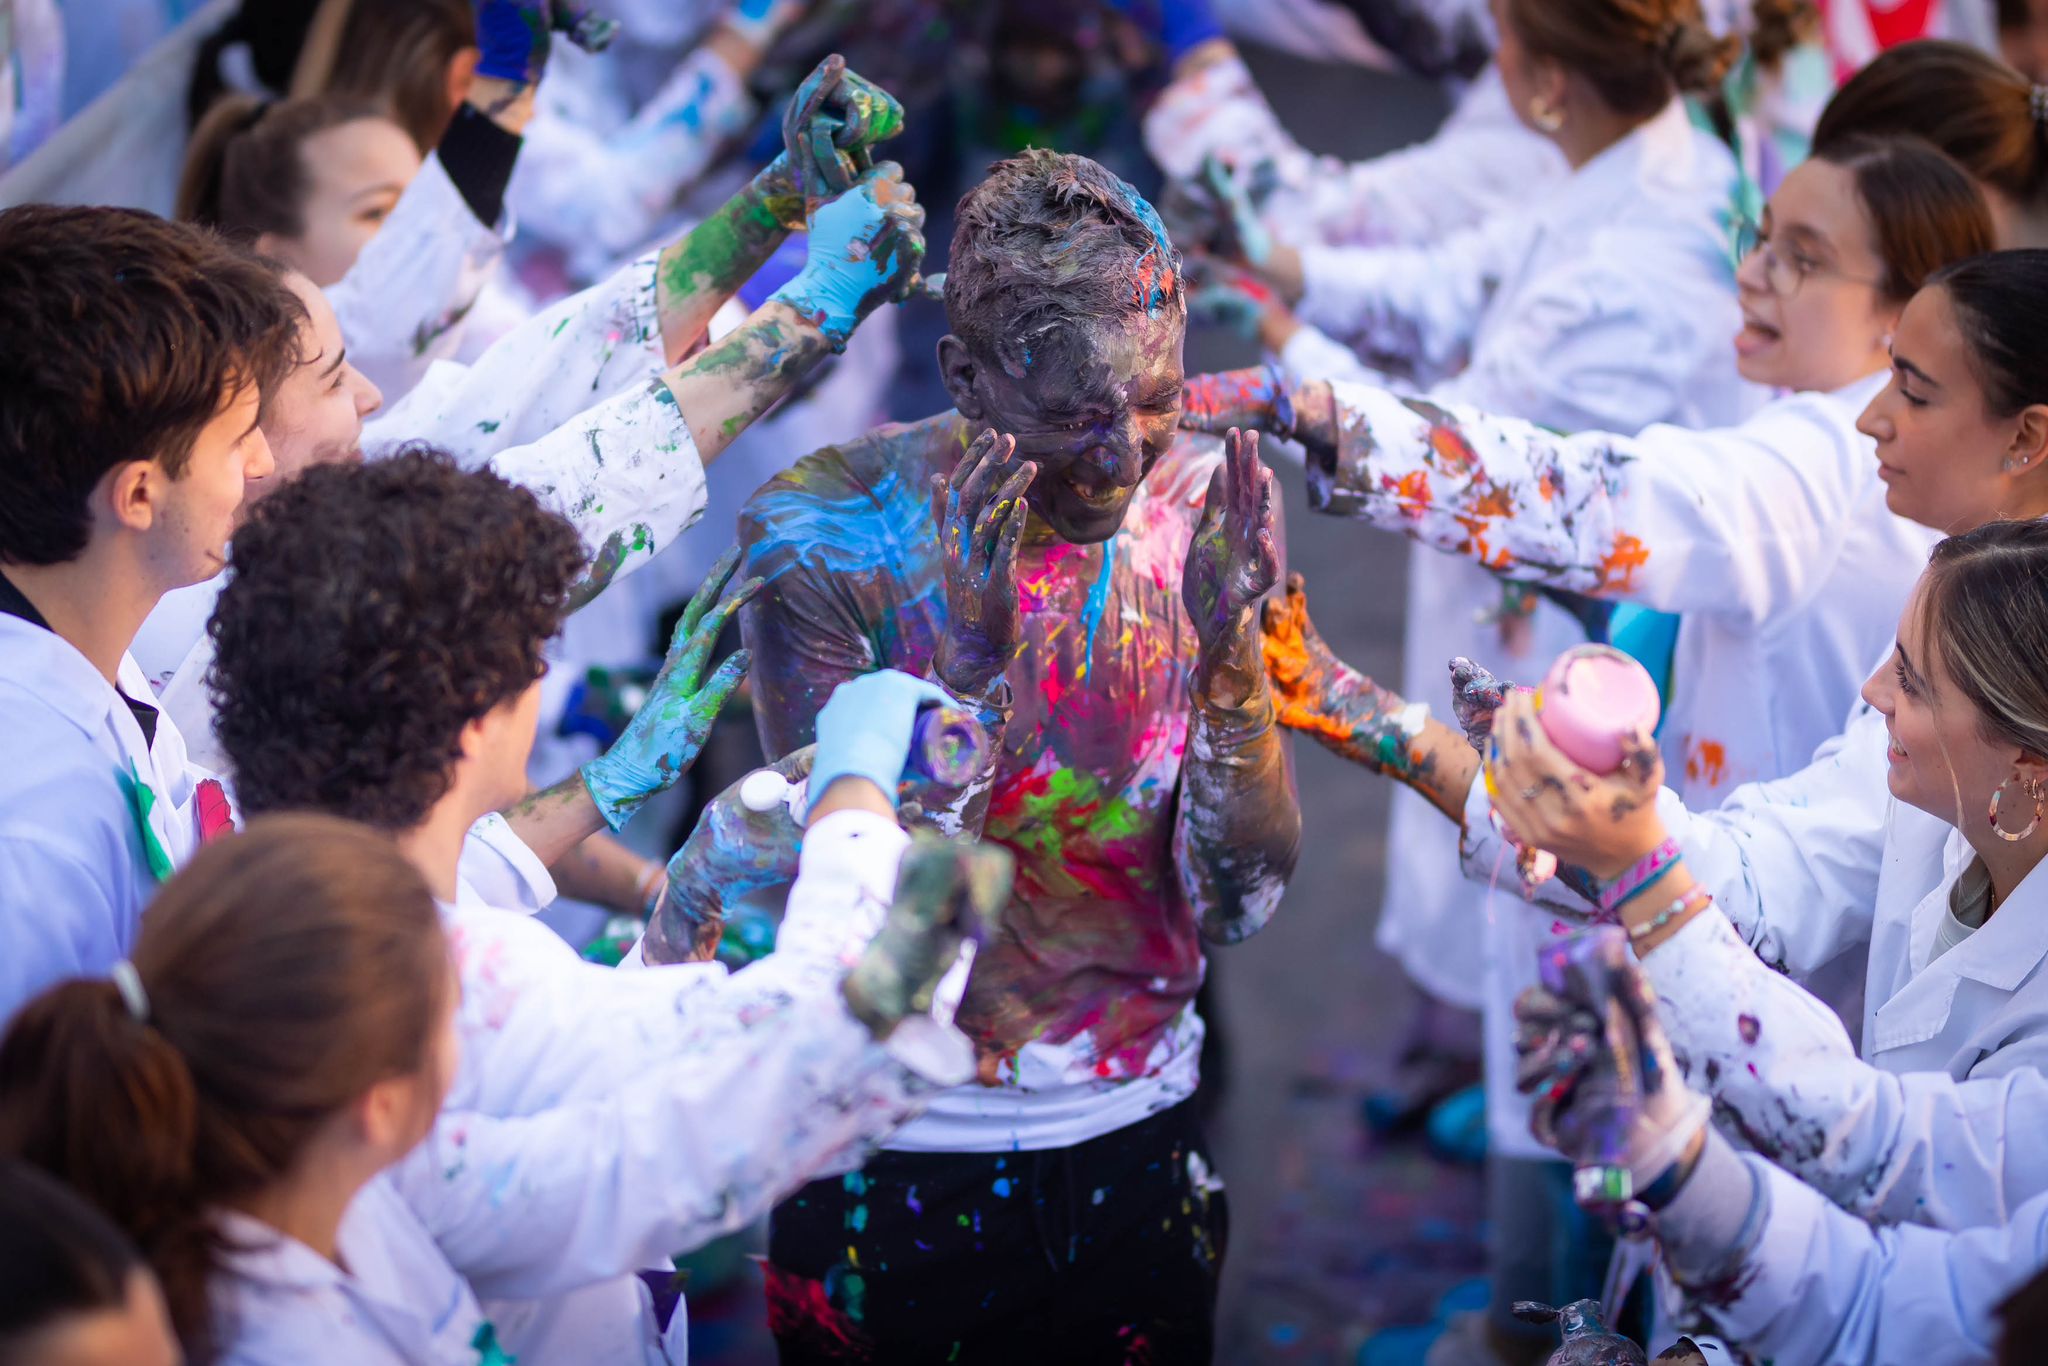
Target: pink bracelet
(1644,871)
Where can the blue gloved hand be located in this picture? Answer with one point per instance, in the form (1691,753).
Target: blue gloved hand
(865,248)
(664,736)
(864,729)
(1180,26)
(513,35)
(1243,234)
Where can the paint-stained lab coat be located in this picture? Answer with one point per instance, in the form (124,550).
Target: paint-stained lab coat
(1608,304)
(403,302)
(1824,1288)
(1939,1126)
(1480,162)
(614,1119)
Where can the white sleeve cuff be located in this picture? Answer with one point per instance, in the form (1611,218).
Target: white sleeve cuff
(500,868)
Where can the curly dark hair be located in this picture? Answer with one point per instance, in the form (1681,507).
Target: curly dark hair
(374,611)
(121,337)
(1050,241)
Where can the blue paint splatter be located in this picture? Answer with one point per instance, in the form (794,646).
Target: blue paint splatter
(1002,1187)
(1092,610)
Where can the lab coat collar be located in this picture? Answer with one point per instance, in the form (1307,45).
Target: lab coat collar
(48,667)
(2011,943)
(1662,153)
(259,1254)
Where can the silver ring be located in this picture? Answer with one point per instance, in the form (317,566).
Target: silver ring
(1529,792)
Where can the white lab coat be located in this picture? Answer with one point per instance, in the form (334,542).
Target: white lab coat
(1936,1131)
(1607,305)
(403,302)
(1482,161)
(1824,1288)
(75,871)
(613,1119)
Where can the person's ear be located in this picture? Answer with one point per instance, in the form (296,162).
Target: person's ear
(462,76)
(134,491)
(961,374)
(383,1115)
(476,737)
(2028,448)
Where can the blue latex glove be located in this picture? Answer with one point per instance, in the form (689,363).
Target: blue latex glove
(1243,234)
(865,248)
(864,729)
(1180,26)
(513,35)
(664,736)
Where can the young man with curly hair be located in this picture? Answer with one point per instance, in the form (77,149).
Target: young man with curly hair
(1056,555)
(379,651)
(135,357)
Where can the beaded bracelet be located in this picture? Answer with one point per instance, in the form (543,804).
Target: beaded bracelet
(1696,899)
(1644,871)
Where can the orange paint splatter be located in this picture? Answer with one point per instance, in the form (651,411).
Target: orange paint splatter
(1618,567)
(1706,761)
(1452,449)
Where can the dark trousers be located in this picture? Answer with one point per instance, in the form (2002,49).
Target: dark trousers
(1106,1252)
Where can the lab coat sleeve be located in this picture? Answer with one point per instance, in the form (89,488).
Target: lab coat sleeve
(61,921)
(402,304)
(1823,1286)
(578,352)
(501,870)
(1743,522)
(603,195)
(1793,863)
(764,1088)
(1412,196)
(626,474)
(1918,1147)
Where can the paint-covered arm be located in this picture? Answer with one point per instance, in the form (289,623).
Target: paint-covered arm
(1918,1147)
(1804,1283)
(718,1095)
(1793,863)
(1237,824)
(1744,521)
(1319,695)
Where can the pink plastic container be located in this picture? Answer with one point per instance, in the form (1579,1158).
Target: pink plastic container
(1592,697)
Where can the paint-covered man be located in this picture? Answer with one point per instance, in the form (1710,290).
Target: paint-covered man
(1058,557)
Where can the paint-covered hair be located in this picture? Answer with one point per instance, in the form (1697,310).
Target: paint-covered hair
(2001,306)
(375,611)
(122,336)
(1048,242)
(1984,616)
(284,972)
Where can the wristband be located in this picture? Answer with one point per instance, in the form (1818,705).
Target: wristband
(1641,874)
(1696,899)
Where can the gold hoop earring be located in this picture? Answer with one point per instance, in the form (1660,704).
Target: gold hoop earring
(1546,118)
(2030,786)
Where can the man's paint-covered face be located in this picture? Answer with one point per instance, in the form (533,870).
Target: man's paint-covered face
(1095,407)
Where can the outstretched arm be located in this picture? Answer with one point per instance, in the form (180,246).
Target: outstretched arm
(1237,828)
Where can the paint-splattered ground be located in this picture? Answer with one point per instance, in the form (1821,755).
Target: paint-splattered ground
(1335,1237)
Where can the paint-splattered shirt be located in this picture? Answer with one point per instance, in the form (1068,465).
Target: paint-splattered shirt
(1082,1008)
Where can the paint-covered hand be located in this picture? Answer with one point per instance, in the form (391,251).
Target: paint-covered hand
(1233,561)
(865,248)
(829,129)
(864,729)
(948,895)
(1476,695)
(1253,398)
(1593,1054)
(513,36)
(664,736)
(979,514)
(1602,823)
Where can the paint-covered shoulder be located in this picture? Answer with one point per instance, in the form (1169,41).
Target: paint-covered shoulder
(847,506)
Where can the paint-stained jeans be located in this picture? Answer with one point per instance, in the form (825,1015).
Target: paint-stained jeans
(1106,1252)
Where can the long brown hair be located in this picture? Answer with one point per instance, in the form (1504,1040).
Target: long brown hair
(286,970)
(245,172)
(1635,53)
(1924,210)
(1984,616)
(395,53)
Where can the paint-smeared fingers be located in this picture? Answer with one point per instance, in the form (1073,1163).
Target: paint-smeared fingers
(996,515)
(722,684)
(1002,567)
(1215,501)
(708,592)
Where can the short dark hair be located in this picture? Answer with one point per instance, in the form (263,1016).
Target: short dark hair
(121,336)
(1049,240)
(374,611)
(59,1257)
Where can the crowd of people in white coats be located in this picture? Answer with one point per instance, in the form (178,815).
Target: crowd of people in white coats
(368,566)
